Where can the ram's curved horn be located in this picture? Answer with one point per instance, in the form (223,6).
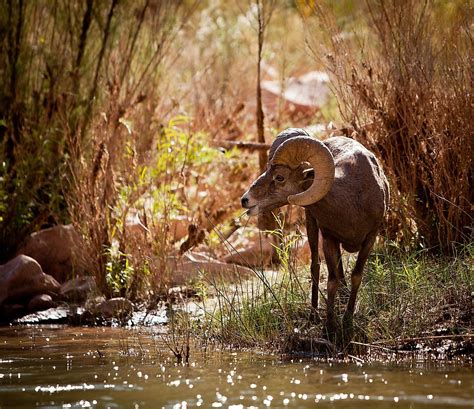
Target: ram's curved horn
(299,149)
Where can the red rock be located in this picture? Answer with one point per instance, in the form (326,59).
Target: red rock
(77,289)
(41,302)
(118,307)
(59,250)
(192,266)
(22,279)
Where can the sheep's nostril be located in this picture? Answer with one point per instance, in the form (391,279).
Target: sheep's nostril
(244,201)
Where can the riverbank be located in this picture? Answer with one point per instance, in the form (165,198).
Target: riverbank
(409,305)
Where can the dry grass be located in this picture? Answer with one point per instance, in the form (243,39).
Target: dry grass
(404,84)
(109,111)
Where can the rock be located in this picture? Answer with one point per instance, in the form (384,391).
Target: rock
(182,292)
(77,289)
(92,304)
(8,312)
(59,250)
(57,315)
(258,254)
(41,302)
(192,266)
(22,278)
(176,227)
(305,93)
(115,308)
(99,309)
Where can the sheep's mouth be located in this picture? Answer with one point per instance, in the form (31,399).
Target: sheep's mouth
(252,211)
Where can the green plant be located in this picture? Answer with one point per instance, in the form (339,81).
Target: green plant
(403,295)
(411,294)
(119,272)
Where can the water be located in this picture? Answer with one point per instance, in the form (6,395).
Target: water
(61,367)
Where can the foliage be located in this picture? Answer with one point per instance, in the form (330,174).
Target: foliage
(111,112)
(403,82)
(64,66)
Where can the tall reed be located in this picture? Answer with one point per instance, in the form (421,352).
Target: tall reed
(79,81)
(404,86)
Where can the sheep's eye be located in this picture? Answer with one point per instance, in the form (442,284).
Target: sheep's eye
(279,178)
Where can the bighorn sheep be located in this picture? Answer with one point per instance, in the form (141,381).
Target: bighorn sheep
(345,195)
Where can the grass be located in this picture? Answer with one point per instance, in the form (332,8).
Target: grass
(414,294)
(403,296)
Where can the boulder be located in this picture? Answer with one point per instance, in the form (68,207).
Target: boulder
(259,251)
(258,254)
(99,310)
(192,266)
(8,312)
(21,281)
(115,308)
(304,94)
(77,289)
(177,227)
(92,303)
(22,278)
(59,250)
(55,315)
(41,302)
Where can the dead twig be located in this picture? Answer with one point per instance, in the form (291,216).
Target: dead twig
(426,338)
(251,146)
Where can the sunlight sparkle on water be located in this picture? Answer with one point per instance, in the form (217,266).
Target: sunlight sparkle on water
(224,380)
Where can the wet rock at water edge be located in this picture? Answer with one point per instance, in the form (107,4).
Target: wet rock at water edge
(21,279)
(41,302)
(116,308)
(56,315)
(77,289)
(59,250)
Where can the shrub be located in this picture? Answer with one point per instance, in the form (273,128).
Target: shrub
(404,85)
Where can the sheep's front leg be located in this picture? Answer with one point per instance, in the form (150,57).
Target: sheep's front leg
(331,252)
(312,231)
(356,279)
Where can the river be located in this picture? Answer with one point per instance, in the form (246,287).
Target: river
(80,367)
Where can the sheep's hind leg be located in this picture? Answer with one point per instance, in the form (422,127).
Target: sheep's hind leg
(344,290)
(312,231)
(356,279)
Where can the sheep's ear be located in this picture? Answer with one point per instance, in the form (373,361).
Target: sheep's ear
(308,174)
(308,177)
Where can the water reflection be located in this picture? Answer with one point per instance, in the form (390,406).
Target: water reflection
(113,368)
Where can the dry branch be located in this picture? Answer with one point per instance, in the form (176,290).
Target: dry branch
(251,146)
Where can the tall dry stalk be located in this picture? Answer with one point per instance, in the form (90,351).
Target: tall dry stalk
(79,81)
(265,10)
(110,173)
(404,88)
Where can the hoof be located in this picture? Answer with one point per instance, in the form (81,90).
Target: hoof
(347,328)
(330,330)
